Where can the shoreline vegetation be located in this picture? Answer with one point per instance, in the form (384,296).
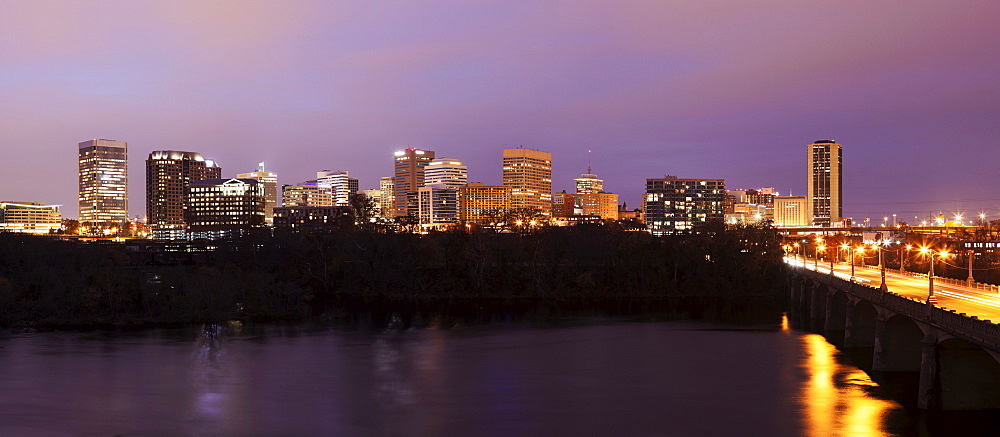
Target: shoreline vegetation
(53,284)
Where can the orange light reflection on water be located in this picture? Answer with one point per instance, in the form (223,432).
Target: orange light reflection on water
(834,397)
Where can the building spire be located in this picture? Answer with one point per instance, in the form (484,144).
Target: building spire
(260,167)
(588,161)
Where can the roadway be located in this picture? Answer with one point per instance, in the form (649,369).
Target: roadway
(972,301)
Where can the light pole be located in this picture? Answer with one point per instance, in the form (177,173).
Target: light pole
(931,299)
(902,260)
(971,280)
(881,267)
(861,250)
(847,249)
(816,249)
(831,261)
(796,245)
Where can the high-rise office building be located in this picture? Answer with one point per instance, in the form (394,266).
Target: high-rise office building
(825,183)
(589,183)
(437,206)
(103,181)
(591,200)
(408,176)
(482,203)
(674,205)
(169,173)
(386,186)
(341,183)
(270,182)
(447,172)
(528,173)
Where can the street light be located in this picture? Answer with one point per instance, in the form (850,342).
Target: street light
(881,265)
(819,248)
(931,299)
(831,260)
(902,260)
(860,251)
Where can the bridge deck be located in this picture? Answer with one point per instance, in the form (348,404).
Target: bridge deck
(980,301)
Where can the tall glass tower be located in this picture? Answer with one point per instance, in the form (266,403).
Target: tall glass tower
(825,183)
(103,185)
(528,173)
(408,177)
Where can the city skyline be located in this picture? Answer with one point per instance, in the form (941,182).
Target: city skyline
(735,96)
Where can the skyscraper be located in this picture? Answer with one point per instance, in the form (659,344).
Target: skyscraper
(448,172)
(386,186)
(528,173)
(675,205)
(408,176)
(341,183)
(103,181)
(169,173)
(591,200)
(825,183)
(270,182)
(437,206)
(589,183)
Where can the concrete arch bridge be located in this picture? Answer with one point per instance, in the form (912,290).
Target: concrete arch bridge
(952,359)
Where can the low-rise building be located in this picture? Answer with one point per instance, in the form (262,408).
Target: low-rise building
(601,204)
(29,217)
(481,203)
(308,193)
(791,211)
(219,208)
(312,218)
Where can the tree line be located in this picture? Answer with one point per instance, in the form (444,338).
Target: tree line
(285,275)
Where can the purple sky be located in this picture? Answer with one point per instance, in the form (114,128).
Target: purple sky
(715,89)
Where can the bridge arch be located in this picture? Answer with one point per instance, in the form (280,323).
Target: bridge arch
(859,334)
(899,348)
(967,376)
(817,307)
(836,317)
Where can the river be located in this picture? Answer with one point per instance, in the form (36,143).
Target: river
(426,374)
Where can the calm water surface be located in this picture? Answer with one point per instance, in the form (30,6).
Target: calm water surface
(559,376)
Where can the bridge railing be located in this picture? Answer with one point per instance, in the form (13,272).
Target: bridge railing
(985,332)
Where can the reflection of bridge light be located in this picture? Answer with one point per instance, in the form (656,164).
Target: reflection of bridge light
(835,402)
(819,393)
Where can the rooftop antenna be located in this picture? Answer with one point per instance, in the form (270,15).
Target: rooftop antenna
(260,167)
(588,161)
